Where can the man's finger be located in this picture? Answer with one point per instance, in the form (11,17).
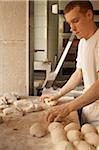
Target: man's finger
(58,118)
(50,118)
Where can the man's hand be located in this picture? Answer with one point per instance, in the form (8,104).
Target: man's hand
(58,113)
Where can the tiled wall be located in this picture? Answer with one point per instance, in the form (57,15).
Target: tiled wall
(40,29)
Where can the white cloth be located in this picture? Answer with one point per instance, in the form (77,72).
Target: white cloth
(88,61)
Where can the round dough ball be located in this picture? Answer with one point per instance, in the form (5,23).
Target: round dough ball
(92,138)
(58,135)
(54,125)
(71,126)
(86,128)
(64,145)
(37,130)
(74,135)
(83,145)
(51,103)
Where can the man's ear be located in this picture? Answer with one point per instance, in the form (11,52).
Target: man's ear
(90,14)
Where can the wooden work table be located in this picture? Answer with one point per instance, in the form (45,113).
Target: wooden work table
(14,132)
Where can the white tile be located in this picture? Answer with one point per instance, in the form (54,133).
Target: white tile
(40,33)
(40,43)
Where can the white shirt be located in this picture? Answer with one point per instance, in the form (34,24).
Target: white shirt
(88,61)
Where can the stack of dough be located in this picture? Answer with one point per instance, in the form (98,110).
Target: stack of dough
(27,106)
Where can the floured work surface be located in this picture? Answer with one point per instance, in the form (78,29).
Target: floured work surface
(14,132)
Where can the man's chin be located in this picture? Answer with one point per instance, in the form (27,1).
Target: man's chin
(78,37)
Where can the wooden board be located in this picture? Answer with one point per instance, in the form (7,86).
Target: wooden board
(14,132)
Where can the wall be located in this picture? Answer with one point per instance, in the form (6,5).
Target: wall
(40,30)
(52,36)
(13,47)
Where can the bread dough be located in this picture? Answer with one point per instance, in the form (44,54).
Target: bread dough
(10,98)
(57,132)
(24,105)
(58,135)
(74,135)
(54,125)
(72,126)
(64,145)
(8,111)
(86,128)
(83,145)
(38,130)
(92,138)
(51,103)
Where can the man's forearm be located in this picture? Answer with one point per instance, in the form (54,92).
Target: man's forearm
(74,80)
(90,96)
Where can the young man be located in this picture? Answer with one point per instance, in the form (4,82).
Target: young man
(79,15)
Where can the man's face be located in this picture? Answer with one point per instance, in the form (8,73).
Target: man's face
(79,22)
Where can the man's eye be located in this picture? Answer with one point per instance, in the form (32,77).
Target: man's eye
(75,21)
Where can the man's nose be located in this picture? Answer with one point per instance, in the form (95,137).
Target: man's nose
(72,28)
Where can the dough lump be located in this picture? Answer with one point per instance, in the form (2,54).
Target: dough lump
(64,145)
(51,103)
(37,130)
(86,128)
(54,125)
(74,135)
(71,126)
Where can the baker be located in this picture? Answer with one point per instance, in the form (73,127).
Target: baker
(79,15)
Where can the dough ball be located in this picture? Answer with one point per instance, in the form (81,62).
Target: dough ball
(86,128)
(64,145)
(58,135)
(51,103)
(37,130)
(92,138)
(54,125)
(83,145)
(71,126)
(74,135)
